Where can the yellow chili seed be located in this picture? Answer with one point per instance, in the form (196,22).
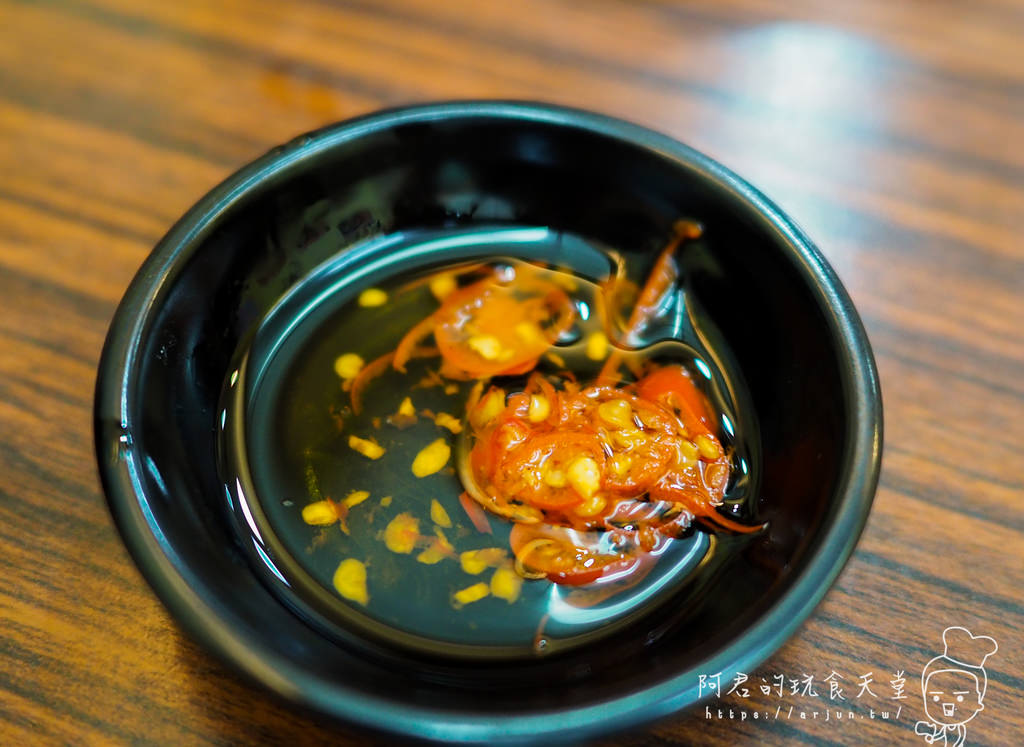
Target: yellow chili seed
(406,408)
(629,439)
(597,346)
(401,533)
(319,514)
(438,515)
(350,581)
(539,408)
(356,497)
(471,563)
(620,464)
(487,347)
(506,583)
(475,562)
(369,449)
(584,476)
(442,285)
(471,594)
(432,458)
(431,556)
(616,412)
(493,403)
(556,359)
(443,542)
(554,478)
(373,297)
(591,507)
(688,452)
(528,332)
(348,366)
(450,422)
(385,501)
(709,447)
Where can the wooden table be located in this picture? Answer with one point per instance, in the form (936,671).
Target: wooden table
(892,131)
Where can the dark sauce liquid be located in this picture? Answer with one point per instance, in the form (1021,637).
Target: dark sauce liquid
(287,422)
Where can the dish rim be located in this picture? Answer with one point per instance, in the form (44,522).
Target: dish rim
(180,588)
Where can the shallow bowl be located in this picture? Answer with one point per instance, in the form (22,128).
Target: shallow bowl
(792,331)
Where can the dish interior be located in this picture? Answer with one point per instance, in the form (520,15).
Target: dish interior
(288,416)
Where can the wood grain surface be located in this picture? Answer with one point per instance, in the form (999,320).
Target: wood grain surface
(892,131)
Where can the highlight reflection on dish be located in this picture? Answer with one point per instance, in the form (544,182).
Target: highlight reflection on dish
(511,446)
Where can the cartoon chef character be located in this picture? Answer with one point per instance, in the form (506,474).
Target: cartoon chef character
(953,686)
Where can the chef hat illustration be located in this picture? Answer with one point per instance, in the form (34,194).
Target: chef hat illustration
(963,651)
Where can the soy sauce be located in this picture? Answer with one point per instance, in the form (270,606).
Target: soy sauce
(287,420)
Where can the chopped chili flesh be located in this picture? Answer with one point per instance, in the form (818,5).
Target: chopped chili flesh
(500,325)
(636,463)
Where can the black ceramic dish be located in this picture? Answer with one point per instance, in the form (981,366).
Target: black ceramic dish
(210,282)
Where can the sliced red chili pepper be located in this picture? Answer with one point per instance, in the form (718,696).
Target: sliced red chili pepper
(645,468)
(476,514)
(663,276)
(571,558)
(492,329)
(368,372)
(407,344)
(525,472)
(673,385)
